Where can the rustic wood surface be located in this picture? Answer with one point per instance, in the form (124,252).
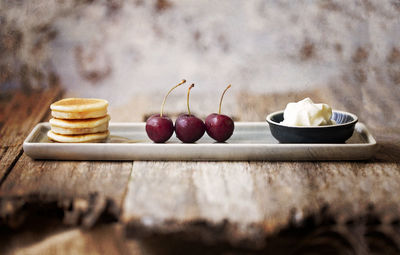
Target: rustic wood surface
(19,112)
(242,200)
(234,202)
(85,190)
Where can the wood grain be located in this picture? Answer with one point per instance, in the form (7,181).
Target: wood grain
(22,111)
(252,200)
(85,190)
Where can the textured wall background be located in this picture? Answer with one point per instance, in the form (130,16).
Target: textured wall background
(126,50)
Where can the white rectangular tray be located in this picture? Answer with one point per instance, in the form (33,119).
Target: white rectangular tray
(250,141)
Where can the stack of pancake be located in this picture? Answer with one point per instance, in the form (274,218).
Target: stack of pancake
(79,120)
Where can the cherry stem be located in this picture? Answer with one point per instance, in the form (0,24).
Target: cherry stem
(165,98)
(191,86)
(220,102)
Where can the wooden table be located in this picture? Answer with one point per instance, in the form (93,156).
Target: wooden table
(237,203)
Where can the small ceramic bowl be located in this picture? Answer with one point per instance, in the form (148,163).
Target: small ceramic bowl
(338,133)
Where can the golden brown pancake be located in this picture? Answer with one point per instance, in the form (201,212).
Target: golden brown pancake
(83,138)
(79,108)
(80,123)
(78,131)
(82,126)
(79,115)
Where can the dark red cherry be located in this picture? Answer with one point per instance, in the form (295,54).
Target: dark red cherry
(160,128)
(189,128)
(219,127)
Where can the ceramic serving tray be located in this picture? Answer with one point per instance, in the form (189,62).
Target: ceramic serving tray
(250,141)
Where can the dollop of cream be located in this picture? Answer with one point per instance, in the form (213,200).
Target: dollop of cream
(306,113)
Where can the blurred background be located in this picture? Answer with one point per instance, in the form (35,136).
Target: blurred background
(132,52)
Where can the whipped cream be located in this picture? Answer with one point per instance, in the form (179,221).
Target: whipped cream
(306,113)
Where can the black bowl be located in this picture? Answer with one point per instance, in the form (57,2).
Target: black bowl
(337,133)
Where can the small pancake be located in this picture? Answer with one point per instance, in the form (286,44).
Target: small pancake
(79,105)
(78,131)
(79,108)
(79,115)
(84,138)
(80,123)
